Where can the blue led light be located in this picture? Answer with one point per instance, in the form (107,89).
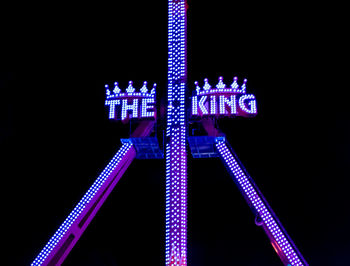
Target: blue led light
(234,84)
(130,88)
(132,107)
(231,102)
(144,87)
(223,101)
(201,105)
(221,84)
(131,104)
(250,107)
(257,202)
(112,104)
(176,160)
(116,89)
(93,190)
(108,92)
(147,103)
(206,86)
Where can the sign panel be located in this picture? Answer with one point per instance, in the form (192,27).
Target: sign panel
(219,101)
(131,104)
(222,100)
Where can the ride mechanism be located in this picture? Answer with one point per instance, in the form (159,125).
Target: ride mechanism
(208,104)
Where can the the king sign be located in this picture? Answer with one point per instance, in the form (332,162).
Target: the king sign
(206,101)
(223,101)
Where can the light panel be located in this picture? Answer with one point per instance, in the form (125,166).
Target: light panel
(131,104)
(176,157)
(222,101)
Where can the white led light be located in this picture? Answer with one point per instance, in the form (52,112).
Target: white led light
(116,89)
(235,85)
(130,107)
(153,90)
(230,102)
(223,100)
(201,105)
(176,179)
(112,104)
(108,92)
(206,85)
(254,199)
(124,152)
(147,103)
(243,87)
(213,105)
(130,89)
(144,88)
(197,87)
(221,84)
(251,103)
(194,105)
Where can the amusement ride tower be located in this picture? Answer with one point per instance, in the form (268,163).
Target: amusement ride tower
(207,102)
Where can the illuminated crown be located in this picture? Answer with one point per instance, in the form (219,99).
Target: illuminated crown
(221,87)
(130,91)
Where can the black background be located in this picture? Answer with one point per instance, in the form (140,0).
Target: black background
(55,136)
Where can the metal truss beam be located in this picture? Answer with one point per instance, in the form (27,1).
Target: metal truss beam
(265,217)
(67,235)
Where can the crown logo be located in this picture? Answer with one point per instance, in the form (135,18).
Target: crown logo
(130,91)
(221,87)
(130,103)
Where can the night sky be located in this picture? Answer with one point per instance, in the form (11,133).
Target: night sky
(55,136)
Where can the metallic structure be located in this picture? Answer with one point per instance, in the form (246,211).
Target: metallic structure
(265,217)
(206,103)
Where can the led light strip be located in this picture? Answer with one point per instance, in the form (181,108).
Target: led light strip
(176,157)
(252,104)
(290,255)
(124,152)
(133,107)
(232,103)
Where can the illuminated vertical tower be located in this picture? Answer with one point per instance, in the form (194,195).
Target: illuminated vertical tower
(176,157)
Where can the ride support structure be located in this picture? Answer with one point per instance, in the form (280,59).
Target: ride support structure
(208,104)
(67,235)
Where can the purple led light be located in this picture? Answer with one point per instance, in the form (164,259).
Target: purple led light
(286,247)
(208,101)
(176,157)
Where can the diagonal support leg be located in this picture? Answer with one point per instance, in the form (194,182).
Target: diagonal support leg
(59,246)
(279,238)
(62,242)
